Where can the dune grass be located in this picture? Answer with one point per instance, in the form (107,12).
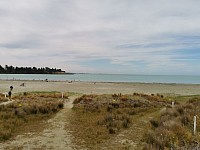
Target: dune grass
(97,118)
(27,112)
(174,128)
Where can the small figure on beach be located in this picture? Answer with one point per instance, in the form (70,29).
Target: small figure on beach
(10,92)
(11,88)
(23,84)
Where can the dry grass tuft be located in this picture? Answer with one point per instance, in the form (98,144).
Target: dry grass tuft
(173,130)
(97,118)
(18,115)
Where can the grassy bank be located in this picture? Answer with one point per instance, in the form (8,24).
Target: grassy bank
(174,128)
(28,112)
(98,118)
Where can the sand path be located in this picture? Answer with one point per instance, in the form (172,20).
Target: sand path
(55,136)
(6,103)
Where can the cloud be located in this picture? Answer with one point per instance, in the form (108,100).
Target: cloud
(130,36)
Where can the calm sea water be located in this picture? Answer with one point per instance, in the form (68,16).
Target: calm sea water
(185,79)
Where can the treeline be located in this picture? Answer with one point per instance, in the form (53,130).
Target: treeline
(29,70)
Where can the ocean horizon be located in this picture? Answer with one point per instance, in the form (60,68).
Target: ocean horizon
(91,77)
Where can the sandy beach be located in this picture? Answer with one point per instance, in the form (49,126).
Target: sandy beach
(101,87)
(58,132)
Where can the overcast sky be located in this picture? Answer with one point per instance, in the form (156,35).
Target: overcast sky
(102,36)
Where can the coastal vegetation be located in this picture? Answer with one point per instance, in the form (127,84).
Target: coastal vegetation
(27,113)
(174,129)
(108,121)
(137,121)
(29,70)
(98,118)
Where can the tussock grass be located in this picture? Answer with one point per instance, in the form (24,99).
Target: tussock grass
(41,95)
(97,118)
(27,111)
(174,128)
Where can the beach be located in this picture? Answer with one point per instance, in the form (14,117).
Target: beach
(59,131)
(100,87)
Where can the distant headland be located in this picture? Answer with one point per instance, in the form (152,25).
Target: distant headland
(30,70)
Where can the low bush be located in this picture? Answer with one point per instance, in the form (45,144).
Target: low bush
(98,117)
(17,114)
(173,130)
(154,123)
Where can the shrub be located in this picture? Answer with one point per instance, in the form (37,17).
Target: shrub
(127,118)
(180,110)
(109,108)
(43,110)
(186,119)
(60,105)
(154,123)
(111,131)
(19,113)
(174,128)
(5,135)
(108,118)
(33,110)
(125,124)
(124,98)
(132,112)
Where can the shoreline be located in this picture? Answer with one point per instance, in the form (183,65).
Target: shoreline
(100,87)
(170,83)
(110,78)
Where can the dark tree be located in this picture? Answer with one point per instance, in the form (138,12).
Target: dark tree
(28,70)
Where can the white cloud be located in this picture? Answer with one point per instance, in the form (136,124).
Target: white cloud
(130,32)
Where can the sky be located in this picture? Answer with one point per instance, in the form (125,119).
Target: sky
(102,36)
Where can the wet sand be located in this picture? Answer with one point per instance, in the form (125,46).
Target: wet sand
(100,87)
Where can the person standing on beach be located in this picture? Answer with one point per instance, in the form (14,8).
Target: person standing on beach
(10,92)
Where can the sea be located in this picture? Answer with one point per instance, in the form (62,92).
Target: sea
(179,79)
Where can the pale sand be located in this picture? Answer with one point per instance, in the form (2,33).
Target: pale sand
(101,88)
